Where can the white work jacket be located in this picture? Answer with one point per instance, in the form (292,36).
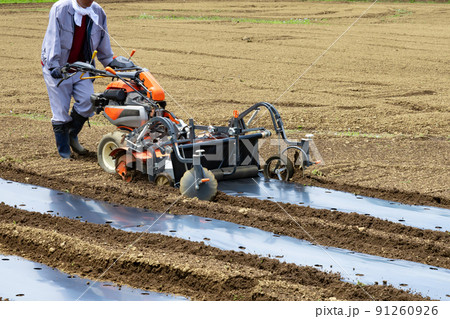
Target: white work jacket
(59,36)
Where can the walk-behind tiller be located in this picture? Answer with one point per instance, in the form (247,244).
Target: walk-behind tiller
(192,157)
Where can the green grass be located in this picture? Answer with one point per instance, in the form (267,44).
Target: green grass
(10,159)
(317,172)
(359,134)
(28,116)
(29,9)
(400,13)
(385,1)
(228,19)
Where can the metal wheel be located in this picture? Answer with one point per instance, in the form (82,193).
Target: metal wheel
(109,143)
(206,191)
(164,179)
(124,169)
(278,168)
(299,161)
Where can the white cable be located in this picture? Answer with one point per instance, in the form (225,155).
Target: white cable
(307,69)
(313,240)
(319,57)
(126,53)
(324,52)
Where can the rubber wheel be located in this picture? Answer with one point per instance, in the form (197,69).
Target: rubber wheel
(108,143)
(278,168)
(164,179)
(206,191)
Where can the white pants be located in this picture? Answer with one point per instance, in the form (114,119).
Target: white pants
(60,96)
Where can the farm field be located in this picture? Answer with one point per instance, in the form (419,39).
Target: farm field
(376,101)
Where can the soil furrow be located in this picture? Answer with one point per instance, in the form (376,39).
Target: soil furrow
(355,232)
(171,265)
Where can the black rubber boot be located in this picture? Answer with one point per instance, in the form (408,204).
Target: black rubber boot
(62,139)
(75,127)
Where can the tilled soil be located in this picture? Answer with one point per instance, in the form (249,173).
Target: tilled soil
(172,265)
(376,102)
(356,232)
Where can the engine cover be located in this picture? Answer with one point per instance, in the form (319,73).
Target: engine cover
(130,115)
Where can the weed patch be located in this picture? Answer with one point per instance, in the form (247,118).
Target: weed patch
(227,19)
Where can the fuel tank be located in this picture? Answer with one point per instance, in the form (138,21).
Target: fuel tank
(126,115)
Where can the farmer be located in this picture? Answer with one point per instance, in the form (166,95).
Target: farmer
(76,29)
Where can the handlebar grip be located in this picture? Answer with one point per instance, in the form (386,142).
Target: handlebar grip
(132,53)
(94,54)
(110,70)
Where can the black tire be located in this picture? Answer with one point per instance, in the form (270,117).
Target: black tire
(207,191)
(278,168)
(108,143)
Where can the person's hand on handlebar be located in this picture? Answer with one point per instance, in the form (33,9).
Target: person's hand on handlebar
(56,73)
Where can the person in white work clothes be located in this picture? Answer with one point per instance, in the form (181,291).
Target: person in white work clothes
(75,30)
